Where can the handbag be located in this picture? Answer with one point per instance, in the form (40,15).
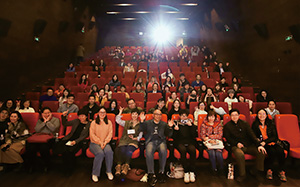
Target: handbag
(176,171)
(135,174)
(283,144)
(218,144)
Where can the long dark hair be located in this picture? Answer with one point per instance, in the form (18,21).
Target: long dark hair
(174,103)
(80,81)
(105,119)
(113,100)
(19,115)
(268,121)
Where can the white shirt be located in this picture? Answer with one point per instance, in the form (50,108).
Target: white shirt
(27,110)
(230,101)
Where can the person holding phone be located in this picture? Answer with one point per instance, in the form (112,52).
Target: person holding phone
(128,142)
(184,135)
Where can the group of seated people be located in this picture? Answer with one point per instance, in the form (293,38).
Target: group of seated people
(258,141)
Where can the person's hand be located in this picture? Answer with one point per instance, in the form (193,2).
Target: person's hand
(227,63)
(87,76)
(263,144)
(262,149)
(240,145)
(104,96)
(189,123)
(45,119)
(171,123)
(176,127)
(73,142)
(142,116)
(206,138)
(121,110)
(212,107)
(131,137)
(65,113)
(49,117)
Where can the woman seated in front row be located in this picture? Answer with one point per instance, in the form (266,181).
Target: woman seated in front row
(14,140)
(211,130)
(128,142)
(265,130)
(101,132)
(185,133)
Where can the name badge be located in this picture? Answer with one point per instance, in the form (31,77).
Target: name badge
(130,131)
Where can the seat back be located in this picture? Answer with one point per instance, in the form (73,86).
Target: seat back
(226,118)
(154,97)
(288,129)
(224,105)
(137,96)
(30,119)
(120,97)
(258,105)
(53,105)
(243,108)
(284,107)
(149,105)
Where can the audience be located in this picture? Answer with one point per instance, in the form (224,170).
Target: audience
(243,141)
(15,138)
(92,108)
(155,132)
(199,110)
(192,97)
(26,107)
(71,68)
(131,105)
(176,107)
(63,98)
(60,90)
(263,96)
(123,90)
(128,142)
(184,135)
(69,106)
(271,109)
(101,132)
(211,131)
(155,89)
(83,81)
(181,82)
(265,131)
(69,145)
(114,81)
(159,106)
(209,97)
(47,97)
(230,98)
(46,125)
(198,82)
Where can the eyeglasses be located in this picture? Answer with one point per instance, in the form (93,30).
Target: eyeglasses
(102,112)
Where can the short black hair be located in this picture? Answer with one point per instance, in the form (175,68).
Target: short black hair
(71,95)
(131,99)
(50,89)
(92,96)
(159,100)
(46,108)
(272,100)
(82,111)
(181,74)
(183,111)
(135,110)
(123,86)
(234,110)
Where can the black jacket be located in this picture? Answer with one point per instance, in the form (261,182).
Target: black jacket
(271,131)
(240,132)
(74,123)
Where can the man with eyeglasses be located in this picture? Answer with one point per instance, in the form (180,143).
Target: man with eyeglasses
(242,139)
(131,105)
(155,132)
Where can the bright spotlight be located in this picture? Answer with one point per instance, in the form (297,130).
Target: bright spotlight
(161,34)
(141,33)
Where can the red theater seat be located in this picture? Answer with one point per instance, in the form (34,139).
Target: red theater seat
(224,105)
(177,154)
(53,105)
(288,129)
(284,107)
(243,108)
(33,95)
(30,119)
(154,97)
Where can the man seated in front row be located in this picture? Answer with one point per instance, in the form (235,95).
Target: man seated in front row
(131,105)
(155,132)
(242,139)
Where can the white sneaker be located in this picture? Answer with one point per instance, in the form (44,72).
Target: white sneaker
(192,177)
(110,176)
(95,178)
(186,177)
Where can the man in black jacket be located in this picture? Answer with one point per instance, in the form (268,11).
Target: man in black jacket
(91,107)
(243,141)
(155,132)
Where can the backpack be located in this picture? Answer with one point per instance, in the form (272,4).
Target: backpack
(176,171)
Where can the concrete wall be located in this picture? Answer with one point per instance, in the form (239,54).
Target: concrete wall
(262,61)
(25,63)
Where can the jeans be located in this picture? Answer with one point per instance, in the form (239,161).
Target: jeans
(216,155)
(123,154)
(187,164)
(100,154)
(151,147)
(240,158)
